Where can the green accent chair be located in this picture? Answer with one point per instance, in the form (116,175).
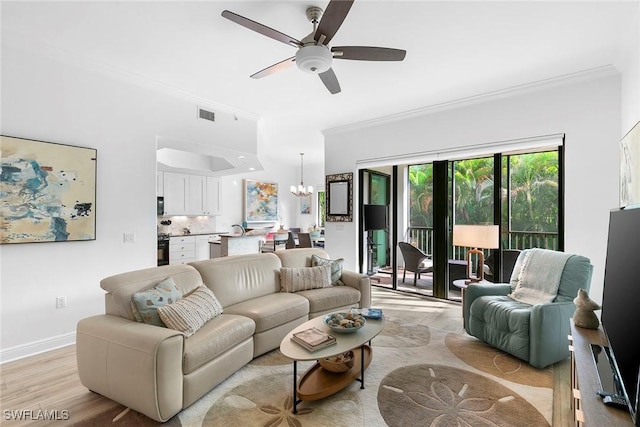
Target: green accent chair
(535,333)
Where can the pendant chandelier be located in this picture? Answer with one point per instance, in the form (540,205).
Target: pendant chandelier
(301,190)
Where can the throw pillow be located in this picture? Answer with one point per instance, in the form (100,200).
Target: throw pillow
(145,304)
(305,278)
(191,312)
(336,268)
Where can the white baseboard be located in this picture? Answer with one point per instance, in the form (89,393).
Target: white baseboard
(36,347)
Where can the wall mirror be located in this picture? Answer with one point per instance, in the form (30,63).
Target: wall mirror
(339,189)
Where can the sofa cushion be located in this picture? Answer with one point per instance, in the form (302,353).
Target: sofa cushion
(336,267)
(145,304)
(332,298)
(240,278)
(299,257)
(301,279)
(191,312)
(272,310)
(121,287)
(215,338)
(502,322)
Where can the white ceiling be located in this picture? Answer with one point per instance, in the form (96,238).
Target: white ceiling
(454,50)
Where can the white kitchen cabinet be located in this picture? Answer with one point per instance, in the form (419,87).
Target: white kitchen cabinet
(213,199)
(182,249)
(197,194)
(202,246)
(191,194)
(176,193)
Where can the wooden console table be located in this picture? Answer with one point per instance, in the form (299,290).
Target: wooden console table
(588,409)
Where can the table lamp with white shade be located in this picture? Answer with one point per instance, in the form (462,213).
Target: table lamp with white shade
(475,237)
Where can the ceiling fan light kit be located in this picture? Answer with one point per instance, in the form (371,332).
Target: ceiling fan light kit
(314,59)
(314,55)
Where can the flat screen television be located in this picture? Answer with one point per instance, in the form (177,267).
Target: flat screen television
(620,314)
(375,217)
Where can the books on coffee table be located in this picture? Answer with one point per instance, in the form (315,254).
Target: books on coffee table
(372,313)
(313,339)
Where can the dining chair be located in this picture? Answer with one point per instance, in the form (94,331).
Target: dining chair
(291,242)
(304,240)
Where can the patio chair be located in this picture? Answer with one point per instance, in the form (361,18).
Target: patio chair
(509,257)
(415,261)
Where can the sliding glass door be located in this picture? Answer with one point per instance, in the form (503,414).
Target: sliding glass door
(520,192)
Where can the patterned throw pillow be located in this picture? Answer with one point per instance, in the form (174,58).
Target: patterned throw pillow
(145,304)
(191,312)
(305,278)
(336,268)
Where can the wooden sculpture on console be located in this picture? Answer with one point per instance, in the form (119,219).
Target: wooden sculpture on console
(584,315)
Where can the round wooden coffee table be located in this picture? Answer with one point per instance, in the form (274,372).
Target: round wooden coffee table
(317,383)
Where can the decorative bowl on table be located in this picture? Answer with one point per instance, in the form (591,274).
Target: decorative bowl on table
(344,323)
(340,363)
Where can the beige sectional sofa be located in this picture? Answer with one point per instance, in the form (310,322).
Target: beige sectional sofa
(159,371)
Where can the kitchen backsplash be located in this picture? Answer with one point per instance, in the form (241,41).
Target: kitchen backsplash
(195,224)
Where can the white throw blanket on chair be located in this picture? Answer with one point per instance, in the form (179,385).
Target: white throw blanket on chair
(536,275)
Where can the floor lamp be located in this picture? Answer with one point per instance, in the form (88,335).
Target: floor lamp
(475,237)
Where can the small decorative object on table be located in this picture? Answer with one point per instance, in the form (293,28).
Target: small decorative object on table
(340,363)
(314,231)
(344,322)
(584,315)
(313,339)
(372,313)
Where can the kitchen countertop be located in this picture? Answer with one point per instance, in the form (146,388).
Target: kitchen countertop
(198,233)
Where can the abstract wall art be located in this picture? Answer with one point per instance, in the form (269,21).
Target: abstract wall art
(261,201)
(630,167)
(305,204)
(47,191)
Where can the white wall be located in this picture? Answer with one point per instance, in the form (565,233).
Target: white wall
(48,100)
(588,112)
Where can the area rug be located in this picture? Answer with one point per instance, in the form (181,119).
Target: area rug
(425,372)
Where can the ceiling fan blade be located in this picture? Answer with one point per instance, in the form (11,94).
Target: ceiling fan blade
(330,81)
(272,69)
(262,29)
(332,19)
(367,53)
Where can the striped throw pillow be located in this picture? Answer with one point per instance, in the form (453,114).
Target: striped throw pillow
(305,278)
(191,312)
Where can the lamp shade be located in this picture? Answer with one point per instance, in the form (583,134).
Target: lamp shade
(476,236)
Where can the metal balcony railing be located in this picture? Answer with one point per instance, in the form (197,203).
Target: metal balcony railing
(422,238)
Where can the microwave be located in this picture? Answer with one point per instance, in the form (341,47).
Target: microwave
(160,206)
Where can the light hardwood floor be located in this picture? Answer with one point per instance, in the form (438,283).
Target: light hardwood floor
(48,381)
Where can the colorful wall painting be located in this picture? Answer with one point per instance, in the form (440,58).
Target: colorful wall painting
(261,201)
(47,191)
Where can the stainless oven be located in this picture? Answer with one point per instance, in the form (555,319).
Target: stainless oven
(163,250)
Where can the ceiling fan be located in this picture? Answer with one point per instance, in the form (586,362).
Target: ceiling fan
(314,55)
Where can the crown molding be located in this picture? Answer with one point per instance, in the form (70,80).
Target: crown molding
(584,75)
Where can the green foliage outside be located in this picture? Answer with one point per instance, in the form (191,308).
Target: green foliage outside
(321,208)
(533,192)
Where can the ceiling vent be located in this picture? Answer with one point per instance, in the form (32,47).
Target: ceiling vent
(206,115)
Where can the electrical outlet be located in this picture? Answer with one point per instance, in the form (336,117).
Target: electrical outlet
(61,302)
(129,237)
